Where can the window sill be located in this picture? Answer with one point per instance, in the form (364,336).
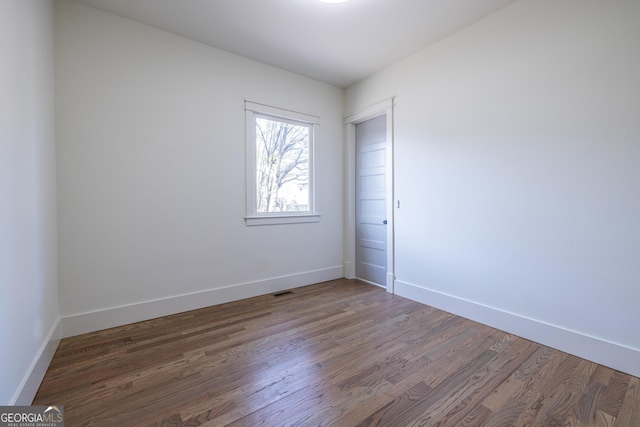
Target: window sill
(282,219)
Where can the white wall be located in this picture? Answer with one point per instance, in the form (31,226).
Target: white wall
(151,158)
(517,164)
(28,278)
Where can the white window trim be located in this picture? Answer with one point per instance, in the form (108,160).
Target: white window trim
(253,217)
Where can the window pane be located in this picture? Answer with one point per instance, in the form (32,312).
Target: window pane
(282,166)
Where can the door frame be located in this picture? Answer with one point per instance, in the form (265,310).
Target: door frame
(350,121)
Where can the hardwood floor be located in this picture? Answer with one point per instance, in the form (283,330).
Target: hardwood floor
(340,353)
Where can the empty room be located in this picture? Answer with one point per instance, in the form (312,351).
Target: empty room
(307,212)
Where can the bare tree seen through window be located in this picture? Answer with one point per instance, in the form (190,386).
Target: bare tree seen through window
(282,166)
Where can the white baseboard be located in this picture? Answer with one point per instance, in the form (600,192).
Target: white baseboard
(33,378)
(77,324)
(613,355)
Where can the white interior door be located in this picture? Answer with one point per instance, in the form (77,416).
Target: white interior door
(371,205)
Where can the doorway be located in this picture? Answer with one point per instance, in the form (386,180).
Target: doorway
(369,160)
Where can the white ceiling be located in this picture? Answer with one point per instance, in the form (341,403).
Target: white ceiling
(336,43)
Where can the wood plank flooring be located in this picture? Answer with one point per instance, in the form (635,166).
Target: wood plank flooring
(340,353)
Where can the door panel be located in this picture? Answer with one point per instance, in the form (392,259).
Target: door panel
(371,204)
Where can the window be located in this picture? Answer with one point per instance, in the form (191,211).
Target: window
(279,165)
